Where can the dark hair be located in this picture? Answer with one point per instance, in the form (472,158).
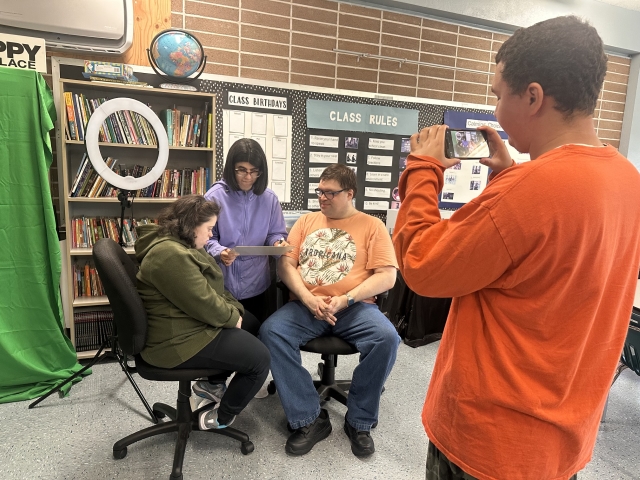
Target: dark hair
(565,55)
(246,150)
(341,174)
(182,217)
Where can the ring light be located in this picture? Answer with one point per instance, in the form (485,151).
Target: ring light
(93,149)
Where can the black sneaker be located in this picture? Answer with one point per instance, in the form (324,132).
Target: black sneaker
(361,441)
(303,439)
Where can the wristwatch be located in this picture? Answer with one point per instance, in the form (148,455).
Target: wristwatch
(350,300)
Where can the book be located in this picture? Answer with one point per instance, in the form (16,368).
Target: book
(166,117)
(71,117)
(78,117)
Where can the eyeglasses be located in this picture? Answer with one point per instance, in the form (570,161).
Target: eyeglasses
(244,172)
(328,195)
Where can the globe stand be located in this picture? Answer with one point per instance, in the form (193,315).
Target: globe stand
(179,83)
(178,86)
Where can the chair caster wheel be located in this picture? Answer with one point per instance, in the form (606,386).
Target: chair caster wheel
(159,415)
(119,454)
(271,388)
(246,448)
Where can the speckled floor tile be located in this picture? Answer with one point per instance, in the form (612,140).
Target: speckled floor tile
(72,438)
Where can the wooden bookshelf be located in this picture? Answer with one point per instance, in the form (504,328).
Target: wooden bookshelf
(70,154)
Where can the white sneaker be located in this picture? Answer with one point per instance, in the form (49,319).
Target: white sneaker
(211,391)
(208,420)
(198,402)
(263,392)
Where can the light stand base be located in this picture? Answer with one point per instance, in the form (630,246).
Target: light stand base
(99,356)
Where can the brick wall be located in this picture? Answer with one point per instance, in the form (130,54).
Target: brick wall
(293,40)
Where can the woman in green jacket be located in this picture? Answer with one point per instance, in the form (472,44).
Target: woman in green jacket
(193,321)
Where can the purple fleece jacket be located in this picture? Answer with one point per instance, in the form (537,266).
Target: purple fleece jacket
(245,219)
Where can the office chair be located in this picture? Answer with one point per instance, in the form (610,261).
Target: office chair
(117,273)
(329,347)
(630,357)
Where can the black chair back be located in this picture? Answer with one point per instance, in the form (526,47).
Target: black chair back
(117,273)
(631,349)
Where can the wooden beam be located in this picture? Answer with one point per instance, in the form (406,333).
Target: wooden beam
(150,18)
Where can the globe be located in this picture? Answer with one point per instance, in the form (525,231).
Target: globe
(176,54)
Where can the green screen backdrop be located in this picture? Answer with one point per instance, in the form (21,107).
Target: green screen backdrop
(35,354)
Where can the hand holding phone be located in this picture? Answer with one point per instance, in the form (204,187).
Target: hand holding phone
(466,144)
(500,157)
(430,142)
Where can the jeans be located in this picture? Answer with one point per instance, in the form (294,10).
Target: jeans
(439,467)
(362,325)
(236,350)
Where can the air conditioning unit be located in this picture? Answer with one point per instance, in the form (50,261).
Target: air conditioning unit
(100,26)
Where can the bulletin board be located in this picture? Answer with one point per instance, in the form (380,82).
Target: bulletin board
(297,194)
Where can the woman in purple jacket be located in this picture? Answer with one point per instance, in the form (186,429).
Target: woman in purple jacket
(250,214)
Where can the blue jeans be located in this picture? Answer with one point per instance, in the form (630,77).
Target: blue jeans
(362,325)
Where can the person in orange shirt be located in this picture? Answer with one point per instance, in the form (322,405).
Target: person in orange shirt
(542,266)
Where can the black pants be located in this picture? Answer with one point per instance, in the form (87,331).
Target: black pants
(440,467)
(236,350)
(260,306)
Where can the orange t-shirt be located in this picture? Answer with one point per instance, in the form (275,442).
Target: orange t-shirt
(335,256)
(543,268)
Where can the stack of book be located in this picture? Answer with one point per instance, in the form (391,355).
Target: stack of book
(176,183)
(123,126)
(187,130)
(92,329)
(87,283)
(86,231)
(87,182)
(171,184)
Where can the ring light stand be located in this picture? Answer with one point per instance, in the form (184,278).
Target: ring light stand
(125,185)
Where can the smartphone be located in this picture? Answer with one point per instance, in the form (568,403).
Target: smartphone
(465,144)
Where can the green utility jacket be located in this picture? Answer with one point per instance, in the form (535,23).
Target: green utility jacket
(183,293)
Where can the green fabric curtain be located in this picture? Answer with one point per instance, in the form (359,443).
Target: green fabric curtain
(35,354)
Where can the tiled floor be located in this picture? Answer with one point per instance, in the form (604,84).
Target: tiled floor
(72,438)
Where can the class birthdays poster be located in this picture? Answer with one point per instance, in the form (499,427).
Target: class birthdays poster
(370,139)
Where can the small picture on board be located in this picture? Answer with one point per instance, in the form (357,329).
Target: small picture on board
(352,158)
(457,166)
(475,185)
(396,194)
(405,145)
(402,163)
(447,196)
(450,179)
(475,170)
(355,170)
(351,142)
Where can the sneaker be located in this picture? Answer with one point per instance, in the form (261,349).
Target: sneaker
(211,391)
(263,392)
(199,402)
(361,441)
(208,420)
(303,439)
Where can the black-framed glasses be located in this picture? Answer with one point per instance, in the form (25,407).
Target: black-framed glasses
(244,172)
(328,195)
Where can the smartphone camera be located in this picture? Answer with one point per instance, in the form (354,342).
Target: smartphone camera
(465,144)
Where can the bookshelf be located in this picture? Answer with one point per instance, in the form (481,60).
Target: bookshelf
(191,162)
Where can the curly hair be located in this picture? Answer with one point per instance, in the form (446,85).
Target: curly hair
(565,55)
(341,174)
(246,150)
(182,217)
